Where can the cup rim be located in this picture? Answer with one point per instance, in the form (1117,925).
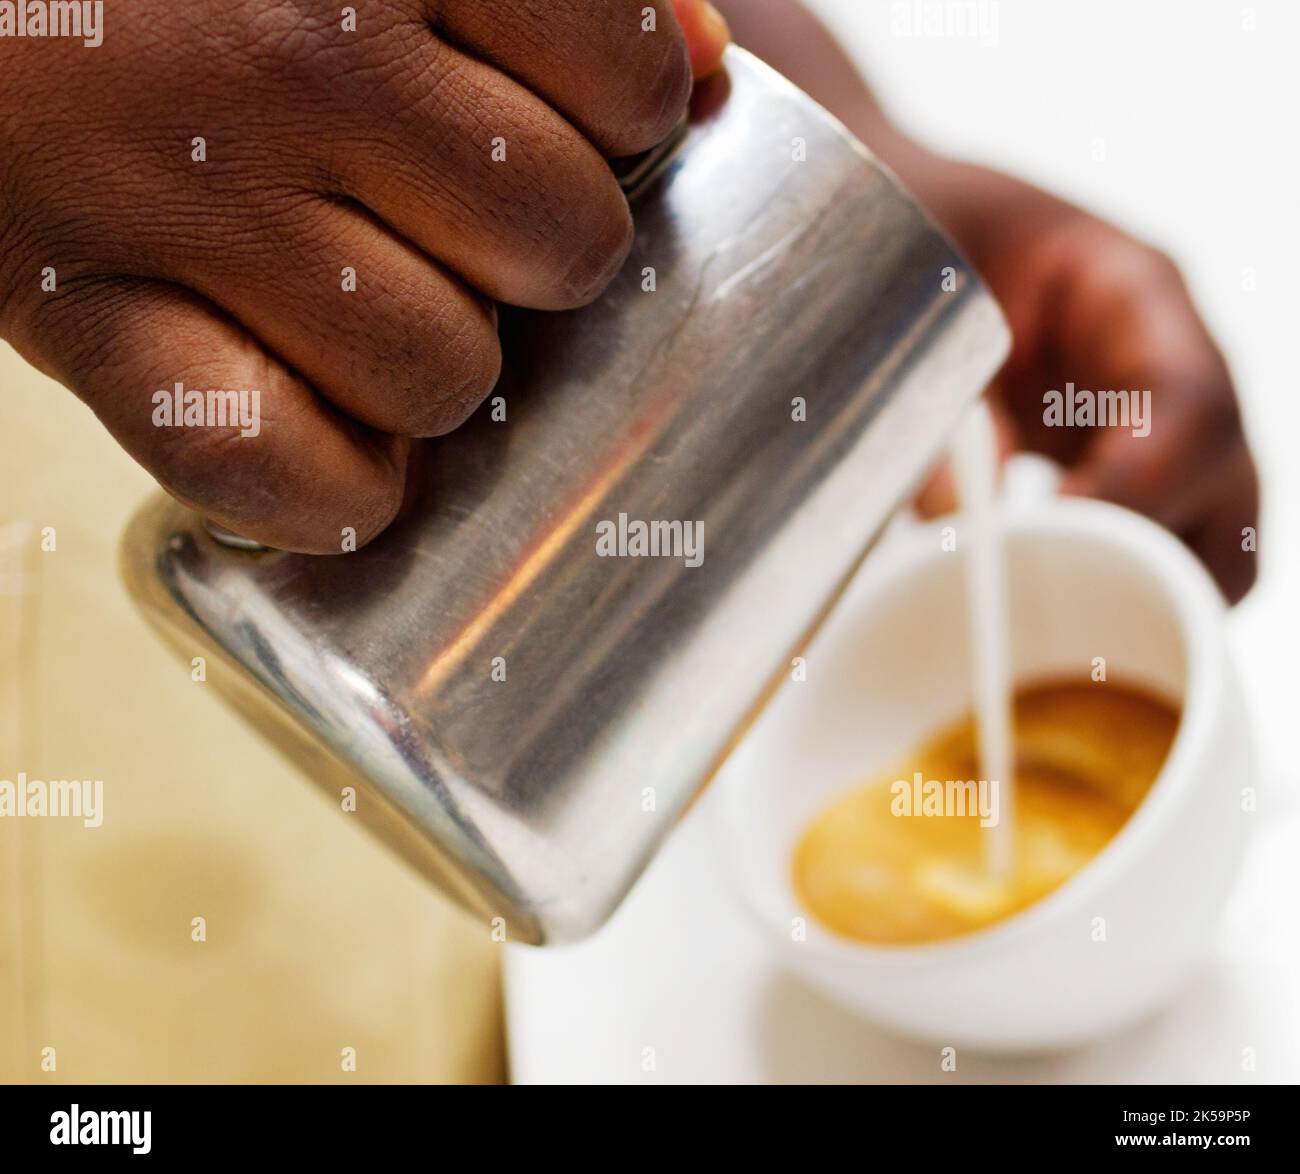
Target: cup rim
(1199,609)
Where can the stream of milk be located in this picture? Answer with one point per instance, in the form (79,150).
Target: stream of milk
(981,546)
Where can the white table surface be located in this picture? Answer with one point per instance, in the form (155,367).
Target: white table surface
(681,970)
(1195,111)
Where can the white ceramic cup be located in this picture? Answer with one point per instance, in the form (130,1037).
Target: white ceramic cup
(1086,580)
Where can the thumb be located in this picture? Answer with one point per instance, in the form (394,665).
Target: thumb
(707,34)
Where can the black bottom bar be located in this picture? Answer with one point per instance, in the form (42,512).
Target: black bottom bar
(336,1123)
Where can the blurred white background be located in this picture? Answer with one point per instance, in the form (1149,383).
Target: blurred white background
(1192,103)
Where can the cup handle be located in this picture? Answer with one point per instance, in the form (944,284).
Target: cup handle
(1028,478)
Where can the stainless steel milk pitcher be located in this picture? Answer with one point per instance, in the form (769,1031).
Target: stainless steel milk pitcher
(531,674)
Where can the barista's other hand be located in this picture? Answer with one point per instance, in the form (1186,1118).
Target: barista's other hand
(1088,304)
(324,207)
(1092,306)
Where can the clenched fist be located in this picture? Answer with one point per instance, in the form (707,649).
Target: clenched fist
(321,204)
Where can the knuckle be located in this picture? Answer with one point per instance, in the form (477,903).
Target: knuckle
(656,87)
(1217,414)
(367,504)
(570,236)
(217,469)
(597,257)
(1161,268)
(476,374)
(77,330)
(22,253)
(429,357)
(279,41)
(254,488)
(458,369)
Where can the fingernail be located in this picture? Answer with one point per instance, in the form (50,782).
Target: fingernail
(714,22)
(718,33)
(707,33)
